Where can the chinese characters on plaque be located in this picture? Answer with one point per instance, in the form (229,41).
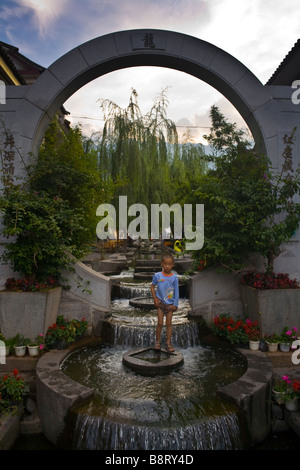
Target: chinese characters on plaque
(150,41)
(8,158)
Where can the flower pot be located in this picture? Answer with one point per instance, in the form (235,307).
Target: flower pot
(272,347)
(284,347)
(33,350)
(278,397)
(291,404)
(254,345)
(20,350)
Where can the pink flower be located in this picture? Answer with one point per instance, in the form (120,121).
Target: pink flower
(286,379)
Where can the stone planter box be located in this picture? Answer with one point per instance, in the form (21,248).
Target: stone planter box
(28,313)
(272,308)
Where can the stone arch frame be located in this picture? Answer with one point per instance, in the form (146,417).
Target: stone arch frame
(146,47)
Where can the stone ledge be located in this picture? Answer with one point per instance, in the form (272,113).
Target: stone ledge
(56,391)
(9,428)
(251,393)
(23,364)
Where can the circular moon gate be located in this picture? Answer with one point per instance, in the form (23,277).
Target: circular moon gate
(38,103)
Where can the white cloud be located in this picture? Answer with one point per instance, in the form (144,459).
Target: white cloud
(258,33)
(45,12)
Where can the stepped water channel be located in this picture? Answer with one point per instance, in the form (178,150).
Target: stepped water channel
(179,410)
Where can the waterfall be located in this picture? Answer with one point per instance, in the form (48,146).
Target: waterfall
(179,411)
(95,433)
(184,335)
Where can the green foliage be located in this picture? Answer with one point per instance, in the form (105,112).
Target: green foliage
(140,153)
(12,390)
(67,168)
(226,327)
(41,227)
(249,207)
(51,213)
(64,330)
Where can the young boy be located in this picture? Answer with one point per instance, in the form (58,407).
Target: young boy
(166,298)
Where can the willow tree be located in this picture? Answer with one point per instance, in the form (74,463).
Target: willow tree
(136,150)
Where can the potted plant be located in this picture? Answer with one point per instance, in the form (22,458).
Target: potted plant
(34,347)
(20,343)
(252,331)
(230,329)
(292,394)
(12,391)
(286,338)
(280,389)
(272,342)
(63,333)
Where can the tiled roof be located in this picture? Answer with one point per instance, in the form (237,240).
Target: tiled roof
(23,68)
(289,69)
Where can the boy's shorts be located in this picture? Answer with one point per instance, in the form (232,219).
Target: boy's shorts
(166,308)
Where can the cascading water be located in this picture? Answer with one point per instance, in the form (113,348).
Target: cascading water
(177,411)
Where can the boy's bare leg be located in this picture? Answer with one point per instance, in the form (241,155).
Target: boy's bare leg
(159,326)
(169,316)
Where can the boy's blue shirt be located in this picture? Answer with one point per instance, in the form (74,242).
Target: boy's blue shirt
(167,288)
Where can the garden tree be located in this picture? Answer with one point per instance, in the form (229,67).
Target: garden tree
(51,212)
(67,168)
(249,207)
(191,165)
(135,149)
(140,153)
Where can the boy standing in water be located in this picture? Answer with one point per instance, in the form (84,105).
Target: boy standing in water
(166,298)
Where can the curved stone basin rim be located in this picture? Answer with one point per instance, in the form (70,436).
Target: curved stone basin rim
(57,393)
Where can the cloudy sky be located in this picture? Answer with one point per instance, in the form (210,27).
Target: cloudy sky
(258,33)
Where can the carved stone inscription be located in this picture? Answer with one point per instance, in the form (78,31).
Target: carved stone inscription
(150,41)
